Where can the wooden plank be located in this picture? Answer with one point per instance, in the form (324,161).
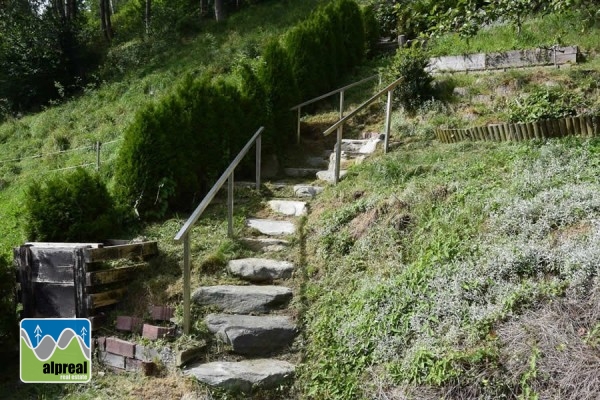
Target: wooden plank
(575,124)
(107,298)
(109,276)
(136,250)
(530,132)
(52,245)
(589,127)
(562,126)
(556,128)
(569,125)
(79,273)
(537,132)
(596,121)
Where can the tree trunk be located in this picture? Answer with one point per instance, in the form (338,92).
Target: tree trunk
(105,20)
(219,11)
(203,8)
(147,15)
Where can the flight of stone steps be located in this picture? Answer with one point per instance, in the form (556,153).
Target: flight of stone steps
(253,318)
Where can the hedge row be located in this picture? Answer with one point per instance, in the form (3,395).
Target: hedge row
(177,147)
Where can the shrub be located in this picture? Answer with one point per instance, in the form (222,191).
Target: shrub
(75,207)
(416,87)
(545,104)
(7,303)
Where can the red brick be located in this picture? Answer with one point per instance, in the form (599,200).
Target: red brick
(120,347)
(162,313)
(157,332)
(129,324)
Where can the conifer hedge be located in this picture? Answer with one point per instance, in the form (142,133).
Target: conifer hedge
(176,147)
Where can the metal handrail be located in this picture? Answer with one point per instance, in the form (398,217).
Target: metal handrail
(184,233)
(339,125)
(336,91)
(333,92)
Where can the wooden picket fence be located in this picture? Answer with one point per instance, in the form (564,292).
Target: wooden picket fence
(583,125)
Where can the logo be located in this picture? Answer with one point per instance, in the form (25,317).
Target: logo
(56,350)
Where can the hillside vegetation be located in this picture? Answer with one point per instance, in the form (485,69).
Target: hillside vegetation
(436,271)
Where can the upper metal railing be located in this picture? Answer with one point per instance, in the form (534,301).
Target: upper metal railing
(340,124)
(184,233)
(324,96)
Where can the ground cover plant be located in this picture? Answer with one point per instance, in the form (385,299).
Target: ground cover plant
(425,270)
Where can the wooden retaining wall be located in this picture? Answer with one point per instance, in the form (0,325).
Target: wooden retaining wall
(67,280)
(508,59)
(587,125)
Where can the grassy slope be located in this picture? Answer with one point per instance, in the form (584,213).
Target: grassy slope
(461,271)
(418,265)
(102,114)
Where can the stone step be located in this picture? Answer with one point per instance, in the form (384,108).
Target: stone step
(266,245)
(317,162)
(271,227)
(243,299)
(243,375)
(363,146)
(288,207)
(260,269)
(252,335)
(300,172)
(328,175)
(307,190)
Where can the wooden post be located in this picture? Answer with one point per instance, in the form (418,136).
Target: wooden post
(388,121)
(230,206)
(341,104)
(258,160)
(186,284)
(298,132)
(338,156)
(97,156)
(79,270)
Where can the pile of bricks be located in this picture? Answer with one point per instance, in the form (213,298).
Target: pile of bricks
(122,355)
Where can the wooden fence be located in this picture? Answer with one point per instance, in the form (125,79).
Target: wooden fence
(587,125)
(67,280)
(509,59)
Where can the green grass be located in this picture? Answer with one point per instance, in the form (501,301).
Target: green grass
(541,31)
(410,282)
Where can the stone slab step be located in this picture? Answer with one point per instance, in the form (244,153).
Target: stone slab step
(300,172)
(307,190)
(252,335)
(328,175)
(243,375)
(271,227)
(243,299)
(260,269)
(363,146)
(317,162)
(266,245)
(288,207)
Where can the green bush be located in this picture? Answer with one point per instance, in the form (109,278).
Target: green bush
(416,87)
(75,207)
(8,322)
(545,104)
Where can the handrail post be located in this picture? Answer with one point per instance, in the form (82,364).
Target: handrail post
(341,104)
(98,156)
(388,120)
(230,206)
(258,160)
(186,283)
(298,132)
(338,155)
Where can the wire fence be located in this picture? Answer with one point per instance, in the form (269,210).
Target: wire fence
(95,149)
